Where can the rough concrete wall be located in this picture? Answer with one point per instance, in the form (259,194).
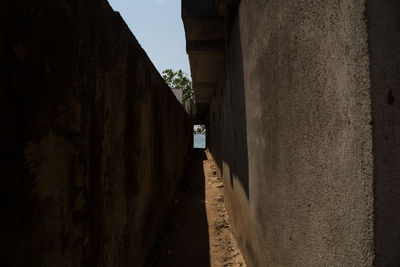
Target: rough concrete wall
(384,48)
(299,179)
(215,119)
(93,142)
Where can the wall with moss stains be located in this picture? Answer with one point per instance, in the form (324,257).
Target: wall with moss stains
(93,142)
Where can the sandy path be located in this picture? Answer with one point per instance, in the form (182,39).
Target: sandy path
(197,231)
(224,250)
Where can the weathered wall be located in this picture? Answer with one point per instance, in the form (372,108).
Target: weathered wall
(214,121)
(384,48)
(304,143)
(92,140)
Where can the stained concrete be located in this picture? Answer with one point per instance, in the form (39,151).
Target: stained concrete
(308,131)
(384,49)
(309,198)
(93,142)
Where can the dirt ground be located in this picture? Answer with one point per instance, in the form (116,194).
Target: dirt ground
(197,230)
(224,250)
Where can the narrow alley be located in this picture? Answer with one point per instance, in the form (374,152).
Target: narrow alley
(197,230)
(299,100)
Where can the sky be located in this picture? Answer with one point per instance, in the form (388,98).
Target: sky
(158,27)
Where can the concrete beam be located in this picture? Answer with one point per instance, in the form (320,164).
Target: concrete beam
(204,28)
(204,24)
(206,67)
(221,6)
(201,85)
(205,46)
(201,9)
(203,95)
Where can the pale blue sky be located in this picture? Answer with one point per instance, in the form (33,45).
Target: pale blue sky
(158,27)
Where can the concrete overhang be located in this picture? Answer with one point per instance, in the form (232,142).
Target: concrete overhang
(204,24)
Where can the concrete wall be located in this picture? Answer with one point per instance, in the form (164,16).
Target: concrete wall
(384,50)
(214,122)
(93,142)
(309,128)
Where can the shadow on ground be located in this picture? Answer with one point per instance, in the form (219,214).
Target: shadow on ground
(184,240)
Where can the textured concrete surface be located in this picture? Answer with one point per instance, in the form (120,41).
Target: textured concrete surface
(92,140)
(205,34)
(297,138)
(304,126)
(384,48)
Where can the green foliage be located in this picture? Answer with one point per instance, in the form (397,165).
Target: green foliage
(199,129)
(180,80)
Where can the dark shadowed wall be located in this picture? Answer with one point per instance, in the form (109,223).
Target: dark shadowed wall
(93,142)
(310,132)
(384,49)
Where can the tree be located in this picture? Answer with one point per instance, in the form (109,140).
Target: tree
(199,129)
(180,80)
